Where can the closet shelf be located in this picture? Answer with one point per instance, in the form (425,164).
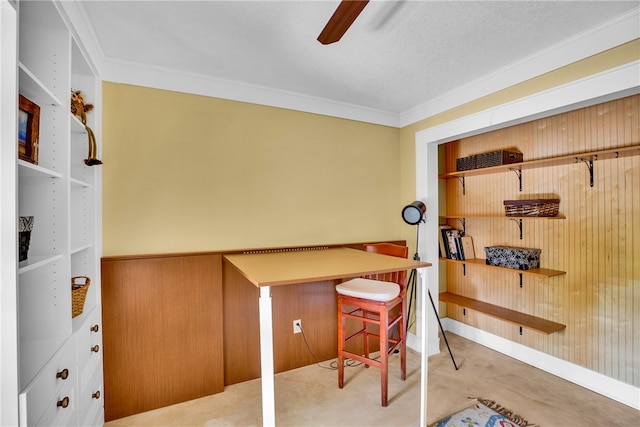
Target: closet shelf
(591,156)
(547,218)
(541,272)
(515,317)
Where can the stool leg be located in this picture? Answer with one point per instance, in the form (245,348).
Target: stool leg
(365,334)
(403,344)
(384,354)
(341,326)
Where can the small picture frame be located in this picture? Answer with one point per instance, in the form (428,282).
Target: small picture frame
(28,130)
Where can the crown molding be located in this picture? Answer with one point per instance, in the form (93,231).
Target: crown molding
(180,81)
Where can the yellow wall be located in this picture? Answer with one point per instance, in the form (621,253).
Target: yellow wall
(187,173)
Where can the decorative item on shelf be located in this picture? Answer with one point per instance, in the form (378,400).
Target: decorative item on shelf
(80,110)
(532,207)
(486,160)
(28,130)
(513,257)
(78,294)
(25,226)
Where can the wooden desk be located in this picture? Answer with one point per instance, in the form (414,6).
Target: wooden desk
(268,269)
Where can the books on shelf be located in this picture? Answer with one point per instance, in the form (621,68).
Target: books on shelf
(467,247)
(454,244)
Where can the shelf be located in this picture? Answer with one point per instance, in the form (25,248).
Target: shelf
(541,272)
(29,169)
(587,158)
(539,218)
(32,88)
(590,156)
(515,317)
(76,125)
(80,248)
(79,183)
(34,262)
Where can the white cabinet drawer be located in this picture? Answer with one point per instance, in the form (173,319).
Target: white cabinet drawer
(59,372)
(91,399)
(90,341)
(62,410)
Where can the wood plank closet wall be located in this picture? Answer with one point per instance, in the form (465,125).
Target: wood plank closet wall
(597,245)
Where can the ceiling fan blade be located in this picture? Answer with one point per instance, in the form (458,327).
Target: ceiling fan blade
(341,20)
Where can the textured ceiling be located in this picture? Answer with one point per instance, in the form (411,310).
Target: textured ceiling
(396,56)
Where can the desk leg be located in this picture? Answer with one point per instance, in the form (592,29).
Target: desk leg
(424,343)
(266,358)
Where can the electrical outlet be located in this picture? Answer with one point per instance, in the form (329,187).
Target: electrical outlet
(297,326)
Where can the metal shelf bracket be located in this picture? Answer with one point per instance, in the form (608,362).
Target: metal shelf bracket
(518,173)
(589,164)
(520,274)
(519,222)
(461,179)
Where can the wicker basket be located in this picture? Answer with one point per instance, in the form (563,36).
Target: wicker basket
(533,207)
(497,158)
(78,294)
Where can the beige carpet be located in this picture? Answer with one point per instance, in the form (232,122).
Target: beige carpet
(310,396)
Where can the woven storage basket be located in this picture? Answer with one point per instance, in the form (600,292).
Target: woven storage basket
(466,163)
(532,207)
(78,294)
(497,158)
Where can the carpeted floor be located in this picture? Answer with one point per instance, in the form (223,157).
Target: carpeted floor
(310,396)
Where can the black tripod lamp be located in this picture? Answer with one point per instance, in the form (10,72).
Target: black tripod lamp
(413,214)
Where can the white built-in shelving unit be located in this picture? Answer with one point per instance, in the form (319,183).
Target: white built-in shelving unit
(59,357)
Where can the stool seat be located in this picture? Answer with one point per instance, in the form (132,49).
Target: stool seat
(375,290)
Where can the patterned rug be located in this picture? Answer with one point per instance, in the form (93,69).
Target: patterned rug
(482,413)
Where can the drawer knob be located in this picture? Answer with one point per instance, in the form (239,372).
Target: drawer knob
(95,348)
(64,402)
(63,375)
(95,328)
(96,395)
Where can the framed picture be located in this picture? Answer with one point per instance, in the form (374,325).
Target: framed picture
(28,130)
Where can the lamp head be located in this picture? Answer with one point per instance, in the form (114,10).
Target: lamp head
(414,213)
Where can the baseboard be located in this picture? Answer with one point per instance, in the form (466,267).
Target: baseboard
(598,383)
(414,342)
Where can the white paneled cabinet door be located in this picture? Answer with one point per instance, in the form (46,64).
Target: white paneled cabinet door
(60,362)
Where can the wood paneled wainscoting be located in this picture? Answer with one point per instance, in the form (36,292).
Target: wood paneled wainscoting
(593,247)
(181,326)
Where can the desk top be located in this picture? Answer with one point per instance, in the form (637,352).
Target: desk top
(291,267)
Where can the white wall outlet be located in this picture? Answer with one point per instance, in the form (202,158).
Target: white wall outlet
(297,326)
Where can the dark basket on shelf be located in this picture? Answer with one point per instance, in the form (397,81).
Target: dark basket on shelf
(497,158)
(532,207)
(486,160)
(466,163)
(78,294)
